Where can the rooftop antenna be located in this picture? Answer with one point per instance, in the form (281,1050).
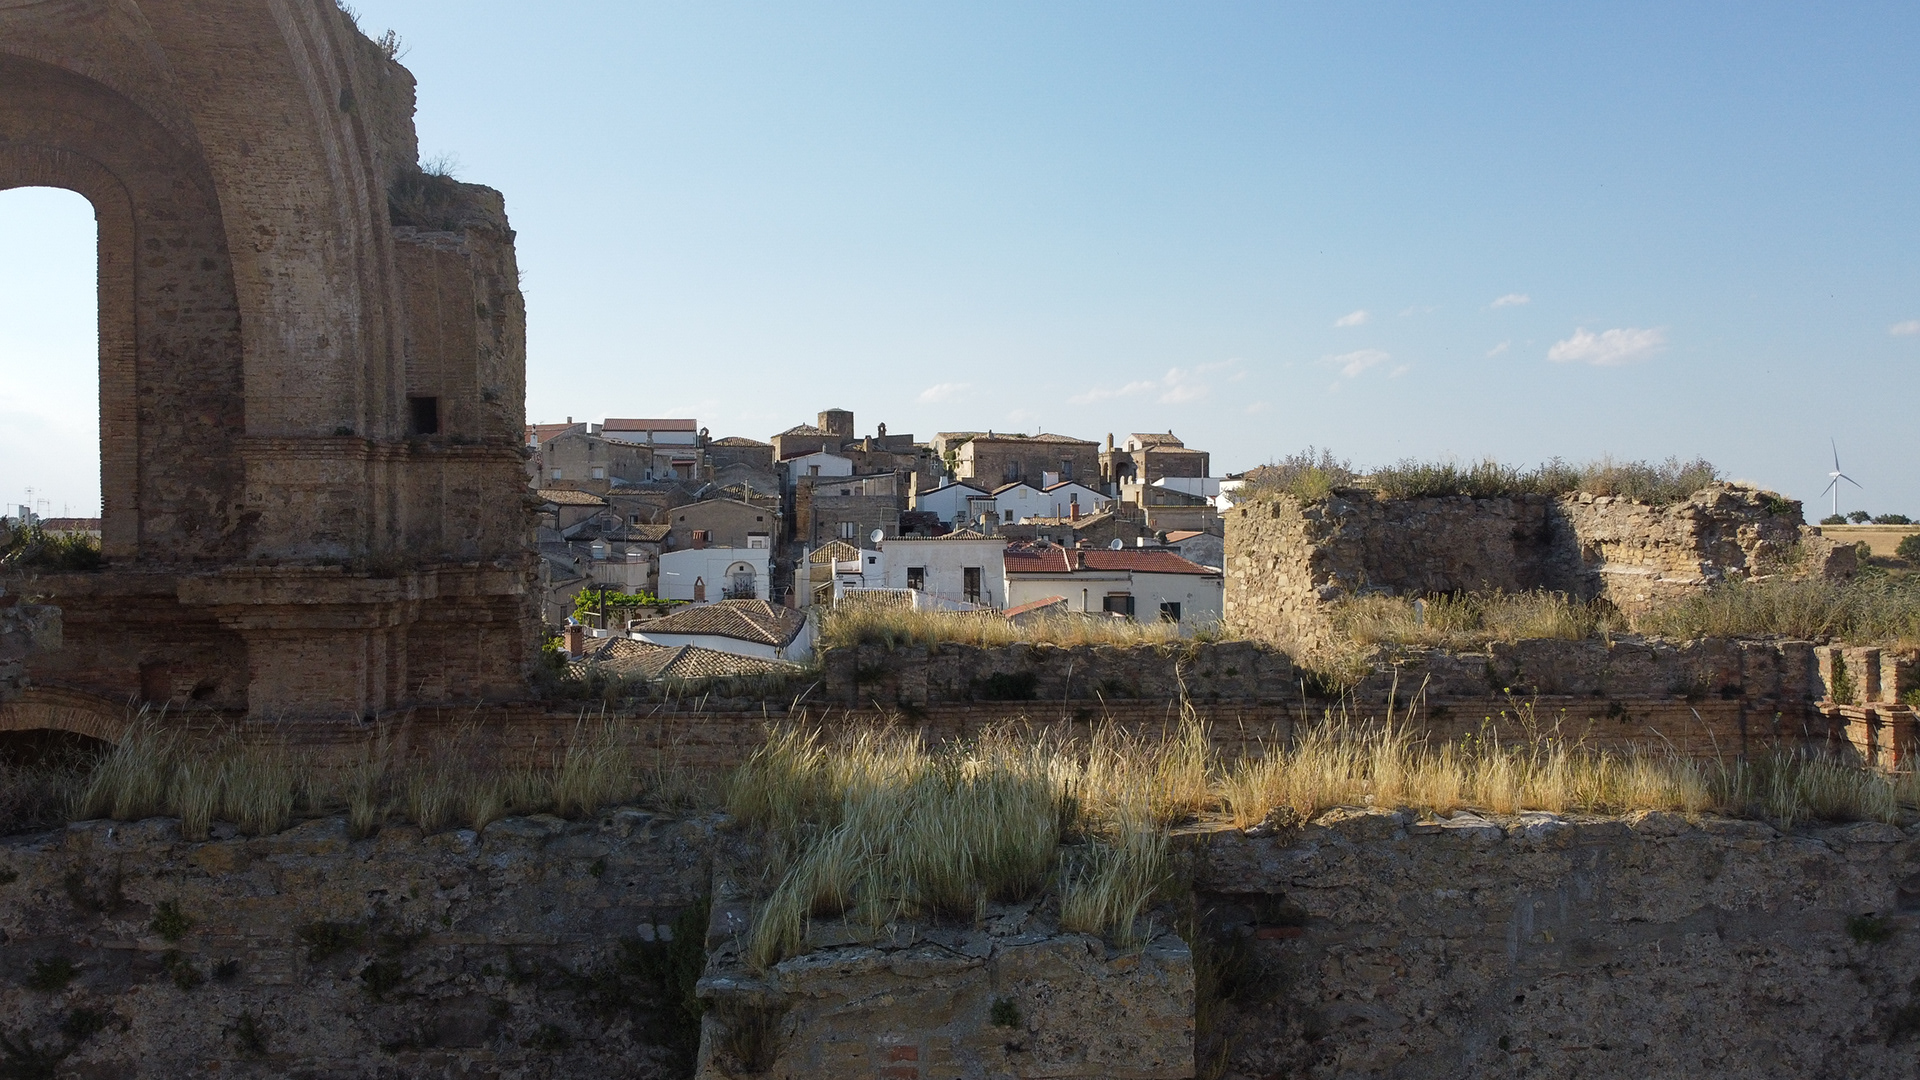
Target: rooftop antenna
(877,535)
(1834,478)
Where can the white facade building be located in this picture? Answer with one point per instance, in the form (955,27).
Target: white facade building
(1133,583)
(952,502)
(1018,501)
(962,567)
(1067,496)
(818,463)
(703,575)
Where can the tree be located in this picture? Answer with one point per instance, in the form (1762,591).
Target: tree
(1909,548)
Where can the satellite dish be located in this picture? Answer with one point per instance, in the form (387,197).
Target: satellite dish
(1117,545)
(878,535)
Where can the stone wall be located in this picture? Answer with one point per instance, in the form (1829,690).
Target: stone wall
(1287,561)
(24,629)
(517,951)
(1384,944)
(874,675)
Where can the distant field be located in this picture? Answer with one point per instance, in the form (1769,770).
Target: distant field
(1881,538)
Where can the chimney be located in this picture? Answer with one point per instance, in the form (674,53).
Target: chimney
(699,539)
(576,640)
(1074,510)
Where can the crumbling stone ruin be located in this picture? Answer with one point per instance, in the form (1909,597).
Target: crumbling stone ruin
(312,361)
(1289,560)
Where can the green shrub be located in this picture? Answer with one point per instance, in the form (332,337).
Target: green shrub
(1909,548)
(1313,474)
(1892,519)
(32,548)
(1833,519)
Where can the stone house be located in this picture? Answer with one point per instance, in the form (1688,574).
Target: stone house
(846,508)
(738,450)
(1205,548)
(1169,509)
(1147,457)
(1120,521)
(723,522)
(1132,583)
(585,460)
(672,447)
(991,459)
(814,463)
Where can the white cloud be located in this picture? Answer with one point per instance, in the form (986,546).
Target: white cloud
(1609,348)
(1905,329)
(945,391)
(1258,407)
(1351,318)
(1353,363)
(1498,349)
(1399,371)
(1512,299)
(1177,387)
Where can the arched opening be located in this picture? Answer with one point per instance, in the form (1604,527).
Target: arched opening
(49,354)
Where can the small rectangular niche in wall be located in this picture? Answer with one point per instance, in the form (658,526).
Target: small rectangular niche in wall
(424,416)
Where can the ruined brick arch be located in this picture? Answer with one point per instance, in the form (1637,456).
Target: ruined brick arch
(170,379)
(67,710)
(281,539)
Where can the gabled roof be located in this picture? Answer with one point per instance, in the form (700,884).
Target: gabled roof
(1162,439)
(1181,535)
(744,620)
(1054,560)
(956,484)
(798,454)
(613,424)
(1035,606)
(648,534)
(833,551)
(569,497)
(543,433)
(738,440)
(1011,486)
(803,429)
(650,661)
(1074,483)
(1015,436)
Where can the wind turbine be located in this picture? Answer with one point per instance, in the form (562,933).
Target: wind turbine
(1834,478)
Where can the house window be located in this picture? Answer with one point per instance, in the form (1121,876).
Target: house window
(849,530)
(756,541)
(1170,612)
(553,474)
(813,470)
(970,584)
(1006,516)
(917,578)
(1118,603)
(1066,469)
(599,473)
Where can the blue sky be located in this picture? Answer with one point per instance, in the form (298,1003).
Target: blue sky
(1392,229)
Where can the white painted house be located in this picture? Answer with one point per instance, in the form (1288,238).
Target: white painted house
(952,502)
(1132,583)
(818,463)
(963,567)
(1071,499)
(705,575)
(1018,501)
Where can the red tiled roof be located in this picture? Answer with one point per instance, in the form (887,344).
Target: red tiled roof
(1178,535)
(804,429)
(737,440)
(1054,560)
(1011,486)
(613,424)
(647,660)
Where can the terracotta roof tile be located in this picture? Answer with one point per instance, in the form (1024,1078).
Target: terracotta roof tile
(646,660)
(569,497)
(1034,606)
(745,620)
(1054,560)
(613,424)
(737,440)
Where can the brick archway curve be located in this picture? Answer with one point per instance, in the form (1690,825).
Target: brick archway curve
(66,710)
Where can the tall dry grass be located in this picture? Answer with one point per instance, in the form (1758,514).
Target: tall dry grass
(881,825)
(1340,763)
(156,771)
(1473,620)
(1875,609)
(846,625)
